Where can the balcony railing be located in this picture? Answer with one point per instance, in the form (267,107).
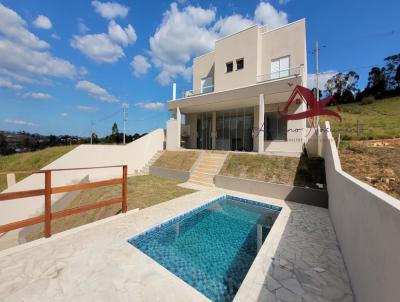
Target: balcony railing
(281,74)
(203,90)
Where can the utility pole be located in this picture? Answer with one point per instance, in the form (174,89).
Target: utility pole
(125,107)
(91,132)
(316,75)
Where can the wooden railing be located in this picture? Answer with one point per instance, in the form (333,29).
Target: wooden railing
(48,190)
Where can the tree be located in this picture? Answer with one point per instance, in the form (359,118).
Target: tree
(376,81)
(391,71)
(114,129)
(343,86)
(3,145)
(115,137)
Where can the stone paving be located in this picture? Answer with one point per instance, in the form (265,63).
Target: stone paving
(299,261)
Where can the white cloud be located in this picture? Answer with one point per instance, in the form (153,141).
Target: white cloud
(266,14)
(110,10)
(42,22)
(140,65)
(20,123)
(150,105)
(89,109)
(106,48)
(16,57)
(6,83)
(191,31)
(96,91)
(182,34)
(64,114)
(83,71)
(13,27)
(122,36)
(38,95)
(322,79)
(55,36)
(232,24)
(82,28)
(23,54)
(98,47)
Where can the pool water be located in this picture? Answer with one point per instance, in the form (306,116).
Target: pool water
(212,247)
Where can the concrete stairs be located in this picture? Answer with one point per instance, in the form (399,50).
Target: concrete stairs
(207,167)
(146,168)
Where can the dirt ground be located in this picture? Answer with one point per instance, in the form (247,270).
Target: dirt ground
(376,162)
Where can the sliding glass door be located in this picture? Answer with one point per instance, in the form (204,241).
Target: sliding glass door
(276,128)
(204,129)
(234,129)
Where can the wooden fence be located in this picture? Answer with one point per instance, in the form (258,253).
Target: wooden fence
(48,190)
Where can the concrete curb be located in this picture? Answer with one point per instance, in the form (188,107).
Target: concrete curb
(314,197)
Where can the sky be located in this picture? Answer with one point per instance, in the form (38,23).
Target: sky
(69,67)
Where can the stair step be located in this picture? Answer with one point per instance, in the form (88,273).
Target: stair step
(210,170)
(201,183)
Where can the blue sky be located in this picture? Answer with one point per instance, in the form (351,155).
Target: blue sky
(65,64)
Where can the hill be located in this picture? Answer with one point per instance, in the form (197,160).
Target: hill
(29,161)
(376,119)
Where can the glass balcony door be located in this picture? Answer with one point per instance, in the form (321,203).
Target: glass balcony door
(204,129)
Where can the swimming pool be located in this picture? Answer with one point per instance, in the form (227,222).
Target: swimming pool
(211,247)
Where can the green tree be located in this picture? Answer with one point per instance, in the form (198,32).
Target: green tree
(343,86)
(391,70)
(114,129)
(376,81)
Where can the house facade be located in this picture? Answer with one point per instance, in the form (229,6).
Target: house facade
(238,89)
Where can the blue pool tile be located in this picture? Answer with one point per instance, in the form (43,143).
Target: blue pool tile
(212,246)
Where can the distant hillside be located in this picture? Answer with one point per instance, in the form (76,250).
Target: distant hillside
(29,161)
(377,119)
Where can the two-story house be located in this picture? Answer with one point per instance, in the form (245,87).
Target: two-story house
(238,88)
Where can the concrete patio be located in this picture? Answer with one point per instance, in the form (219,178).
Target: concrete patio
(299,261)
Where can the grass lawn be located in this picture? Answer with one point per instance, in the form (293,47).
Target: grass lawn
(376,163)
(178,160)
(381,119)
(29,161)
(276,169)
(143,191)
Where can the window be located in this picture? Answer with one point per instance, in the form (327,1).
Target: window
(280,68)
(239,64)
(229,67)
(207,85)
(275,127)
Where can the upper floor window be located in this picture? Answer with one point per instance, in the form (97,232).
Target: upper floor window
(207,85)
(280,67)
(229,67)
(239,64)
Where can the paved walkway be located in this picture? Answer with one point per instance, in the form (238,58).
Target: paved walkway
(299,261)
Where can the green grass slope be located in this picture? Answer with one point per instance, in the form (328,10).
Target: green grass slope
(29,161)
(378,120)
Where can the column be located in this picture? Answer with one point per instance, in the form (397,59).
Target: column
(214,130)
(179,125)
(261,126)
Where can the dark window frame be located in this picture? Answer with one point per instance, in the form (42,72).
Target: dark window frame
(242,65)
(231,66)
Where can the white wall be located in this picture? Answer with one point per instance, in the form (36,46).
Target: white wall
(135,155)
(367,225)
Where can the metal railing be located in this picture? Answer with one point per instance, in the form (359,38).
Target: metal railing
(48,190)
(203,90)
(281,74)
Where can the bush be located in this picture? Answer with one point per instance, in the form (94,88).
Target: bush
(367,100)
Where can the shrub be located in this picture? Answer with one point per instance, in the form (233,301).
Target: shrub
(367,100)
